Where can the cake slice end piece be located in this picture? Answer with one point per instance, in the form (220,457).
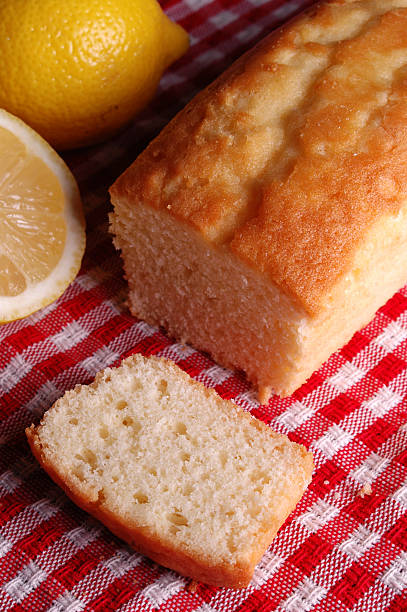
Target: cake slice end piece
(181,475)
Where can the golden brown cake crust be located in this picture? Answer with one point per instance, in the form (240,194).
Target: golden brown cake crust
(296,151)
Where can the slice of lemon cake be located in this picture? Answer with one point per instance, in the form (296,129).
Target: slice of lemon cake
(183,476)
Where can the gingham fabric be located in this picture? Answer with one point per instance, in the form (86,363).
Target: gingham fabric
(344,547)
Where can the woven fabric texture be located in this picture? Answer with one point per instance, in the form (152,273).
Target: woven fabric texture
(344,547)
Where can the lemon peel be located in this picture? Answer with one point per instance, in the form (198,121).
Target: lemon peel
(76,71)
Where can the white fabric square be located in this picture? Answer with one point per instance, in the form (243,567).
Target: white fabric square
(122,562)
(205,608)
(194,5)
(396,575)
(295,415)
(248,33)
(168,585)
(15,370)
(370,469)
(9,482)
(249,398)
(216,374)
(67,603)
(223,18)
(99,360)
(209,57)
(144,330)
(318,515)
(5,545)
(69,336)
(286,9)
(267,566)
(45,508)
(116,305)
(332,441)
(43,312)
(305,597)
(26,581)
(359,542)
(171,79)
(82,536)
(347,376)
(178,351)
(391,336)
(382,402)
(91,279)
(46,395)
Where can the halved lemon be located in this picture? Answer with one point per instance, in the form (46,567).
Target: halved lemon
(42,227)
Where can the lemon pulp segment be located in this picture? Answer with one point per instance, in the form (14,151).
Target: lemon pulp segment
(42,227)
(32,233)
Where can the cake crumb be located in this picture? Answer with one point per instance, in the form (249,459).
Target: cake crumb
(365,490)
(192,586)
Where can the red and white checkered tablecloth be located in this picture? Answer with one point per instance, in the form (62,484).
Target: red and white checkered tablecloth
(340,550)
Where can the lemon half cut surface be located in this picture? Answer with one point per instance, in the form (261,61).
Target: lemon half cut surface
(42,227)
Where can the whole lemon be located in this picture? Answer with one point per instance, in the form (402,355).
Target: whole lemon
(78,70)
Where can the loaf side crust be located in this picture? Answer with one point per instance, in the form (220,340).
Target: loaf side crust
(296,151)
(165,552)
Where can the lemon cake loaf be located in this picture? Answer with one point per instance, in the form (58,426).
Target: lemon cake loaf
(268,220)
(183,476)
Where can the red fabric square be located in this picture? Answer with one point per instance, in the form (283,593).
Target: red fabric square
(377,433)
(395,306)
(338,408)
(357,343)
(311,553)
(388,368)
(354,583)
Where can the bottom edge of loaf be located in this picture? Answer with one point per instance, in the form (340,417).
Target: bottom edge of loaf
(264,391)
